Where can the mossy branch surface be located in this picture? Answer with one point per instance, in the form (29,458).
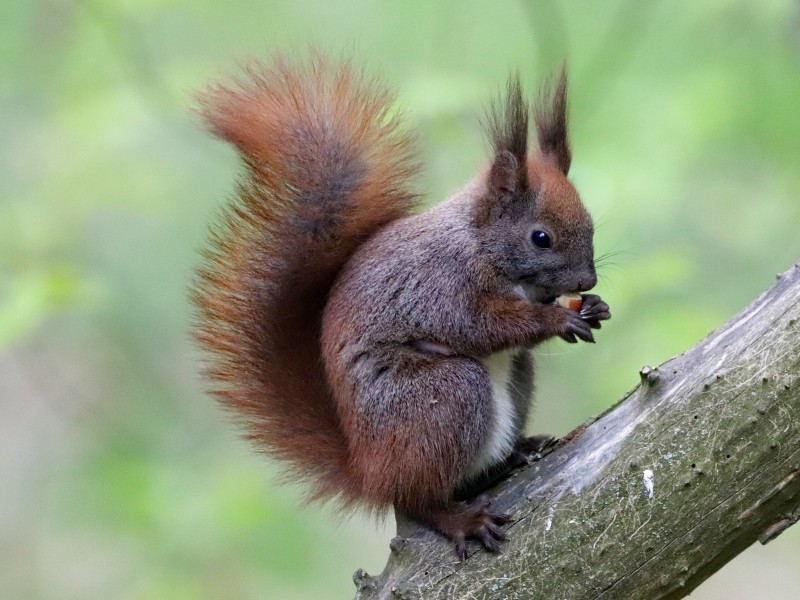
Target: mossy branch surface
(649,499)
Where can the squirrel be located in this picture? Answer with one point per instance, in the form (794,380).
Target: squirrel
(383,352)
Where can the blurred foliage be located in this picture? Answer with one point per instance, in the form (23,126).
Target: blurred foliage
(120,477)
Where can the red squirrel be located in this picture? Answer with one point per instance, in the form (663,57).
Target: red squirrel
(385,353)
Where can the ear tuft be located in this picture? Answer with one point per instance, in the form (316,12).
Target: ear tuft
(507,129)
(551,122)
(507,122)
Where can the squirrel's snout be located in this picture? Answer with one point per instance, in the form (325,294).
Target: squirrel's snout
(587,281)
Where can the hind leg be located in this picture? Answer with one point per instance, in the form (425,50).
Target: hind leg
(416,431)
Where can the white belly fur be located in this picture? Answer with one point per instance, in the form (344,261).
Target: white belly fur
(501,437)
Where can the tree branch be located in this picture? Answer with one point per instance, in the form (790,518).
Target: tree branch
(648,500)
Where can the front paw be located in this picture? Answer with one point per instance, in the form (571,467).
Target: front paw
(573,326)
(594,310)
(530,448)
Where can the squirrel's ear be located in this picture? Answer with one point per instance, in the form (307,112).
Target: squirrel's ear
(550,116)
(504,175)
(507,129)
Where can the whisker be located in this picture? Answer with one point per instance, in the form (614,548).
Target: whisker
(610,254)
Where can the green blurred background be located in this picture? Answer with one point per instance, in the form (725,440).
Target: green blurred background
(119,478)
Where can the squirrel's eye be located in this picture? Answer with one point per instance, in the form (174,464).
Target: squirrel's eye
(540,239)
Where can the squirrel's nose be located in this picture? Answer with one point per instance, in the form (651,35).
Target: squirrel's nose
(587,281)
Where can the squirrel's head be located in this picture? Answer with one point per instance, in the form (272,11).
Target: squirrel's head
(530,221)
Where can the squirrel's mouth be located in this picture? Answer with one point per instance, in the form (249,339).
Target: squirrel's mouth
(540,295)
(537,294)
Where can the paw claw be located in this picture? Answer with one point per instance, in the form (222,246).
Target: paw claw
(569,338)
(594,309)
(460,545)
(528,449)
(477,522)
(487,540)
(496,532)
(501,518)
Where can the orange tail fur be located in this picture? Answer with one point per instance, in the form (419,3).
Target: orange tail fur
(325,166)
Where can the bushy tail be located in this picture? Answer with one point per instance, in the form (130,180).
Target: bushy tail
(325,167)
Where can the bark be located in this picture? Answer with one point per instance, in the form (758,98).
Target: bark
(649,499)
